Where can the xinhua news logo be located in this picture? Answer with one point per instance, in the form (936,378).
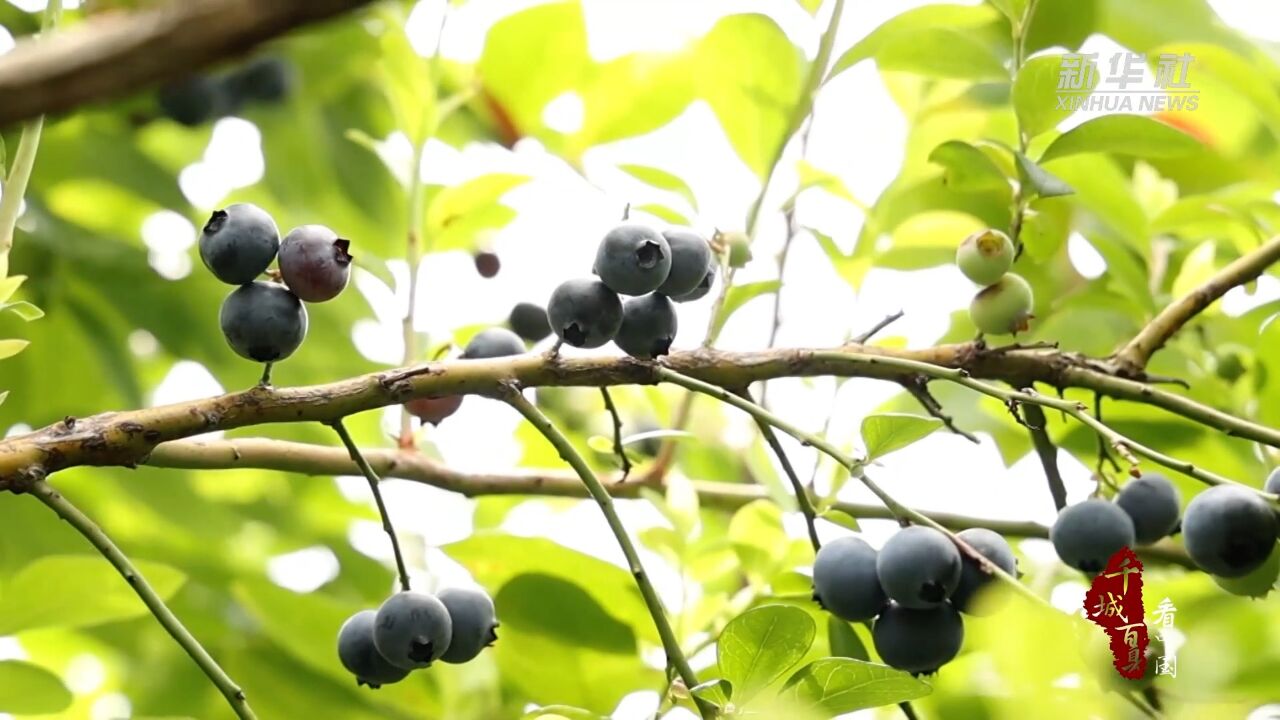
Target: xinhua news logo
(1129,83)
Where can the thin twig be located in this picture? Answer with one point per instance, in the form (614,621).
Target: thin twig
(265,380)
(374,480)
(618,449)
(884,323)
(1047,452)
(919,390)
(802,496)
(907,711)
(170,622)
(675,656)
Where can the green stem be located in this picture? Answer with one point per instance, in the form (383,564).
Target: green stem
(670,643)
(802,495)
(86,527)
(372,476)
(24,159)
(412,256)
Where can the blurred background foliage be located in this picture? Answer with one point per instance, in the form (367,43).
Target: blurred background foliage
(1163,209)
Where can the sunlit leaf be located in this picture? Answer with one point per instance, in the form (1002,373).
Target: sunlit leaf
(1122,134)
(897,33)
(967,166)
(27,689)
(22,309)
(844,641)
(744,293)
(11,347)
(759,646)
(718,692)
(662,180)
(1036,94)
(662,212)
(10,285)
(52,592)
(885,433)
(1042,182)
(842,685)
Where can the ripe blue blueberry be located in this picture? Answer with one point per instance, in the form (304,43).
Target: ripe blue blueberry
(633,260)
(475,624)
(194,100)
(238,243)
(918,641)
(845,580)
(492,343)
(529,321)
(584,313)
(412,629)
(704,286)
(315,263)
(264,79)
(648,326)
(1153,504)
(972,579)
(1087,534)
(690,260)
(918,567)
(263,321)
(360,657)
(1229,531)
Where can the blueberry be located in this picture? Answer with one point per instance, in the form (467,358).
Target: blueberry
(412,629)
(845,581)
(475,624)
(633,260)
(262,321)
(703,287)
(433,410)
(690,261)
(529,321)
(315,263)
(265,79)
(492,343)
(360,657)
(1153,504)
(972,579)
(238,243)
(487,264)
(985,256)
(919,567)
(1087,534)
(648,326)
(1273,482)
(918,641)
(194,100)
(584,313)
(1004,308)
(1229,531)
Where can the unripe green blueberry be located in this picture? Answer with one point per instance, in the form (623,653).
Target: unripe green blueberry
(315,263)
(633,260)
(972,579)
(845,581)
(1087,534)
(359,656)
(474,623)
(584,313)
(1004,308)
(985,256)
(690,259)
(918,641)
(412,629)
(1229,530)
(918,567)
(263,321)
(1153,504)
(648,326)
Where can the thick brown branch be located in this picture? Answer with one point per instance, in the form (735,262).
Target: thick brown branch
(113,55)
(125,438)
(1133,358)
(295,457)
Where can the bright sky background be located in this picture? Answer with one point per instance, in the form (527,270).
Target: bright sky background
(858,134)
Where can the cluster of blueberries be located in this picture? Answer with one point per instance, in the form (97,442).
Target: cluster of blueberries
(413,629)
(657,269)
(266,321)
(1228,530)
(199,98)
(915,588)
(1003,305)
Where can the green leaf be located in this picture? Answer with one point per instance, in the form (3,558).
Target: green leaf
(9,348)
(1035,94)
(456,214)
(967,167)
(758,646)
(27,689)
(10,285)
(812,176)
(662,180)
(967,56)
(290,619)
(885,433)
(1136,135)
(55,591)
(1044,183)
(954,21)
(1197,268)
(22,309)
(740,295)
(718,692)
(662,212)
(756,534)
(1012,9)
(841,518)
(844,641)
(4,395)
(843,685)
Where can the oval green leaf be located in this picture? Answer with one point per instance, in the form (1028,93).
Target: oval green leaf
(51,592)
(27,689)
(882,434)
(1136,135)
(1036,93)
(758,646)
(842,685)
(662,180)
